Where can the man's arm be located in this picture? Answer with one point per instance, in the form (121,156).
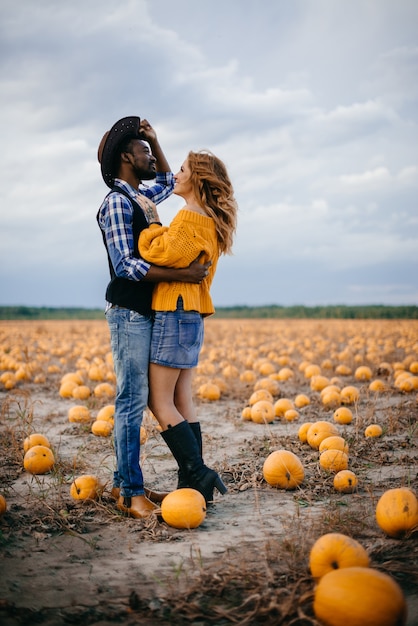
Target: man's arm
(149,135)
(194,273)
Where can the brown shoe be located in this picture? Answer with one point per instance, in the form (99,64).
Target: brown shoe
(137,506)
(155,496)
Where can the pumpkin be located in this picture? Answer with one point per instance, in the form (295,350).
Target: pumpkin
(106,413)
(79,414)
(3,504)
(291,415)
(248,376)
(301,400)
(66,389)
(35,439)
(333,460)
(81,392)
(334,443)
(312,370)
(85,487)
(333,551)
(268,383)
(183,508)
(74,377)
(281,406)
(343,370)
(331,399)
(262,412)
(359,596)
(209,391)
(246,413)
(38,460)
(230,371)
(267,368)
(397,512)
(378,386)
(345,481)
(285,373)
(349,395)
(374,430)
(104,390)
(319,431)
(363,373)
(303,431)
(283,469)
(318,383)
(343,415)
(102,428)
(260,394)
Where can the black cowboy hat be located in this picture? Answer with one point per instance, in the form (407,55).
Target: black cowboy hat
(125,128)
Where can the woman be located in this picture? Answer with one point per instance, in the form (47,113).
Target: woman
(205,225)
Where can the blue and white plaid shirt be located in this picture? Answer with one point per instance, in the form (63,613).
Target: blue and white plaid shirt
(115,220)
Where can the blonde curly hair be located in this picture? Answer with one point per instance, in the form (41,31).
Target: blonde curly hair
(214,192)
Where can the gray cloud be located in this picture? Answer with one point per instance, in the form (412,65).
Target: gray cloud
(313,106)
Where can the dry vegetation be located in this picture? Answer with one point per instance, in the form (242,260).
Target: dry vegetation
(67,562)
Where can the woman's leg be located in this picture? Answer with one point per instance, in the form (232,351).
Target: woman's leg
(162,386)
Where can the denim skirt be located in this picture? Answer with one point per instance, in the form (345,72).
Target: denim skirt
(177,338)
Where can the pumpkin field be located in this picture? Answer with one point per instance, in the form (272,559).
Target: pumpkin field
(312,425)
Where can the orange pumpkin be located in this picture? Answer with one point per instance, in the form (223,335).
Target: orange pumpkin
(349,395)
(359,596)
(281,406)
(38,460)
(319,431)
(343,415)
(209,391)
(102,428)
(184,508)
(81,392)
(345,481)
(3,504)
(333,460)
(397,512)
(283,469)
(334,443)
(333,551)
(363,373)
(79,414)
(291,415)
(35,439)
(301,400)
(374,430)
(303,431)
(85,487)
(106,413)
(262,412)
(260,394)
(246,413)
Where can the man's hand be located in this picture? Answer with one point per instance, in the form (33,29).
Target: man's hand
(196,271)
(147,132)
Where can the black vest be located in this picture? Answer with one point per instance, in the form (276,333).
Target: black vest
(130,294)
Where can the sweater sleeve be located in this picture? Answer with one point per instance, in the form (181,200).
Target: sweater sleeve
(174,246)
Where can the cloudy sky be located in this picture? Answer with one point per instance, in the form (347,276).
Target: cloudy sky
(312,104)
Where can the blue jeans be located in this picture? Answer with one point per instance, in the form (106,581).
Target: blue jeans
(130,338)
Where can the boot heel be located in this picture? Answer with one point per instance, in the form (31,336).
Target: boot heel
(220,485)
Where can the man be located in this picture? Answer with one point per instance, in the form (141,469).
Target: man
(129,154)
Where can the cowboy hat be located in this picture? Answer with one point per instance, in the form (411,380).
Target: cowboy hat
(123,129)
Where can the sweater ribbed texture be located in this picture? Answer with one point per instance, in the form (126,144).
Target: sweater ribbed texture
(177,245)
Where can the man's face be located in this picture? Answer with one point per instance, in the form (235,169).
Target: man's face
(142,160)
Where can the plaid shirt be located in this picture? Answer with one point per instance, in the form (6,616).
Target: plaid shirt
(115,220)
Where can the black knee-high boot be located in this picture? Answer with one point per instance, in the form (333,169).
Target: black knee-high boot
(182,477)
(185,449)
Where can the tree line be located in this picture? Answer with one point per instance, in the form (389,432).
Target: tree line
(378,311)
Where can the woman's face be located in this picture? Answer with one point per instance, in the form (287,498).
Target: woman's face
(183,186)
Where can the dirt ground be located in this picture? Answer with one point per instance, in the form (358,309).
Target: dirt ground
(67,562)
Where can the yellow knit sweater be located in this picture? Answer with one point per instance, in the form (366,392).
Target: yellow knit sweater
(177,245)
